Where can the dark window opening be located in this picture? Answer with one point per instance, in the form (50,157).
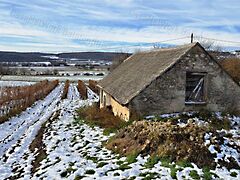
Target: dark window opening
(104,101)
(195,88)
(101,96)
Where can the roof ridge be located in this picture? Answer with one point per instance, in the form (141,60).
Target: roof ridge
(166,49)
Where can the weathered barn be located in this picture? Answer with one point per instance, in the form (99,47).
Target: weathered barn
(185,78)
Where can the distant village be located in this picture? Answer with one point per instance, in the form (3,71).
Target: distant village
(57,66)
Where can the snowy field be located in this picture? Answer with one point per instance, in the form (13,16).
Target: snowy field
(15,83)
(50,78)
(73,150)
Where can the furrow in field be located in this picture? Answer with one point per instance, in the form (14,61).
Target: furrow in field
(14,149)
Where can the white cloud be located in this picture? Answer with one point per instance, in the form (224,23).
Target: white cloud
(54,24)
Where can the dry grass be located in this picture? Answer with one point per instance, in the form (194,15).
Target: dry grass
(93,86)
(101,117)
(82,89)
(232,66)
(164,140)
(14,100)
(65,90)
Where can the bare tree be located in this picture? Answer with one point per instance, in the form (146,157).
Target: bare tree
(210,45)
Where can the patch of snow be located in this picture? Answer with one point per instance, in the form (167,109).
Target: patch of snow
(15,83)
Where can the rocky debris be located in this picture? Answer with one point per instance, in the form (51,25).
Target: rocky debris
(164,139)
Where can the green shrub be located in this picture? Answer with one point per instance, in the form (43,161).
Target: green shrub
(68,171)
(132,158)
(124,167)
(78,177)
(233,174)
(94,159)
(184,164)
(116,174)
(101,164)
(149,175)
(90,171)
(173,172)
(206,173)
(193,174)
(64,174)
(166,162)
(152,160)
(219,124)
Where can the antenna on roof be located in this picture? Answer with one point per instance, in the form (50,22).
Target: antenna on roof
(192,38)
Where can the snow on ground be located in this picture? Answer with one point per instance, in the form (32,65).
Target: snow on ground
(15,83)
(224,150)
(50,78)
(75,150)
(91,95)
(17,134)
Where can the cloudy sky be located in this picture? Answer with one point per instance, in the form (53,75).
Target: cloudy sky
(115,25)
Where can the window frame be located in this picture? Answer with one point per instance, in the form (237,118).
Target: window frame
(204,74)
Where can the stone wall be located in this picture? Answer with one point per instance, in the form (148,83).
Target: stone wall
(167,93)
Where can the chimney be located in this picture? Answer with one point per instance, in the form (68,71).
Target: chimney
(192,38)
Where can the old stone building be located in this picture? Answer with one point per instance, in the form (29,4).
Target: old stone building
(185,78)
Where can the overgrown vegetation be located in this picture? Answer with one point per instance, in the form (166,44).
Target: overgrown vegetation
(164,140)
(103,118)
(93,86)
(232,66)
(65,90)
(174,146)
(82,89)
(214,122)
(154,159)
(194,174)
(14,100)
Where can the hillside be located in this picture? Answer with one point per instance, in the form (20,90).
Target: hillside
(37,57)
(22,57)
(109,56)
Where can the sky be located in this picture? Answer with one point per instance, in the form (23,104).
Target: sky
(116,25)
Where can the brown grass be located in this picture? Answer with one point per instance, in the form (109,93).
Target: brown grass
(82,89)
(232,66)
(101,117)
(65,90)
(14,100)
(164,140)
(93,86)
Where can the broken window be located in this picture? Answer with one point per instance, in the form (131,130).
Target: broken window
(195,87)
